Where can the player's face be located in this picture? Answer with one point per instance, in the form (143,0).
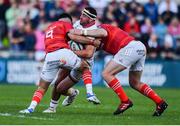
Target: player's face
(84,20)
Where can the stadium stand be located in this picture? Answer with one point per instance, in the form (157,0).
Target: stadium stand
(155,23)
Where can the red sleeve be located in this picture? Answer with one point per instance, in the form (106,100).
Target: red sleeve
(68,27)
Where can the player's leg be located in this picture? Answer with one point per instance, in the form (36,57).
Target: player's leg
(87,79)
(79,65)
(49,71)
(135,77)
(143,88)
(71,80)
(111,69)
(71,93)
(55,96)
(37,96)
(64,87)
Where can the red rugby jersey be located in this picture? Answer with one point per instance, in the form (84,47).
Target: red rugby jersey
(55,36)
(115,40)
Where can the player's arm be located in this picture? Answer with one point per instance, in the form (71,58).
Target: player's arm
(84,40)
(87,52)
(93,33)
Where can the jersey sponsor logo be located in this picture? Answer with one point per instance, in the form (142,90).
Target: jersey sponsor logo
(53,64)
(140,52)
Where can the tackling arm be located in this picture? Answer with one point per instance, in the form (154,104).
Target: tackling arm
(84,40)
(86,53)
(93,33)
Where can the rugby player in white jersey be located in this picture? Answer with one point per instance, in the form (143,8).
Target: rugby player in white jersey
(87,21)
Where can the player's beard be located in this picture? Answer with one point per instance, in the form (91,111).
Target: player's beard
(84,23)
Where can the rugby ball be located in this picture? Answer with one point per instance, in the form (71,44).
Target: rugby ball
(75,46)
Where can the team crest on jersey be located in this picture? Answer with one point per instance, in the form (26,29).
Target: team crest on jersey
(62,61)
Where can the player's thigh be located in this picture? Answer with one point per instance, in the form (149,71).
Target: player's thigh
(130,54)
(68,59)
(65,58)
(62,73)
(113,68)
(49,70)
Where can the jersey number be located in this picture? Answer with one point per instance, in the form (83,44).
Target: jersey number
(49,34)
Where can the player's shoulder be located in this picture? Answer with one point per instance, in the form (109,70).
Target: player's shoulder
(55,24)
(77,24)
(61,23)
(103,25)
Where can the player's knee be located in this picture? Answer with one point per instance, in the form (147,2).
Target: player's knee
(76,75)
(61,89)
(43,85)
(105,74)
(134,83)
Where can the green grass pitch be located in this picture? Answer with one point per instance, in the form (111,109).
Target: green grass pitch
(16,97)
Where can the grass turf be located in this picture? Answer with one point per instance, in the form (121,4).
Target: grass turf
(16,97)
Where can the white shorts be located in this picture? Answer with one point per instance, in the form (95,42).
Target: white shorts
(62,58)
(133,55)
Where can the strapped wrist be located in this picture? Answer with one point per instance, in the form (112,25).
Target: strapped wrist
(84,32)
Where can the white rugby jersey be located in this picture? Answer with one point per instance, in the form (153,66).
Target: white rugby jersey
(77,25)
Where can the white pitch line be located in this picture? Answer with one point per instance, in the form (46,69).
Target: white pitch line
(23,116)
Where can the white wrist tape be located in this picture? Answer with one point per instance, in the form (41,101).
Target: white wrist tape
(85,32)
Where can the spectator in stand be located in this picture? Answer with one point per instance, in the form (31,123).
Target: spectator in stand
(12,14)
(168,47)
(17,40)
(120,14)
(167,9)
(151,11)
(108,13)
(153,48)
(69,6)
(140,14)
(132,26)
(146,29)
(29,39)
(131,6)
(160,30)
(174,28)
(32,14)
(39,45)
(82,4)
(166,5)
(42,23)
(54,10)
(24,6)
(99,5)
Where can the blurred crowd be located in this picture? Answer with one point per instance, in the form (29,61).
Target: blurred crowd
(156,24)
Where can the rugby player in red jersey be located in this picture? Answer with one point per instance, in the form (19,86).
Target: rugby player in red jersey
(128,53)
(87,21)
(58,55)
